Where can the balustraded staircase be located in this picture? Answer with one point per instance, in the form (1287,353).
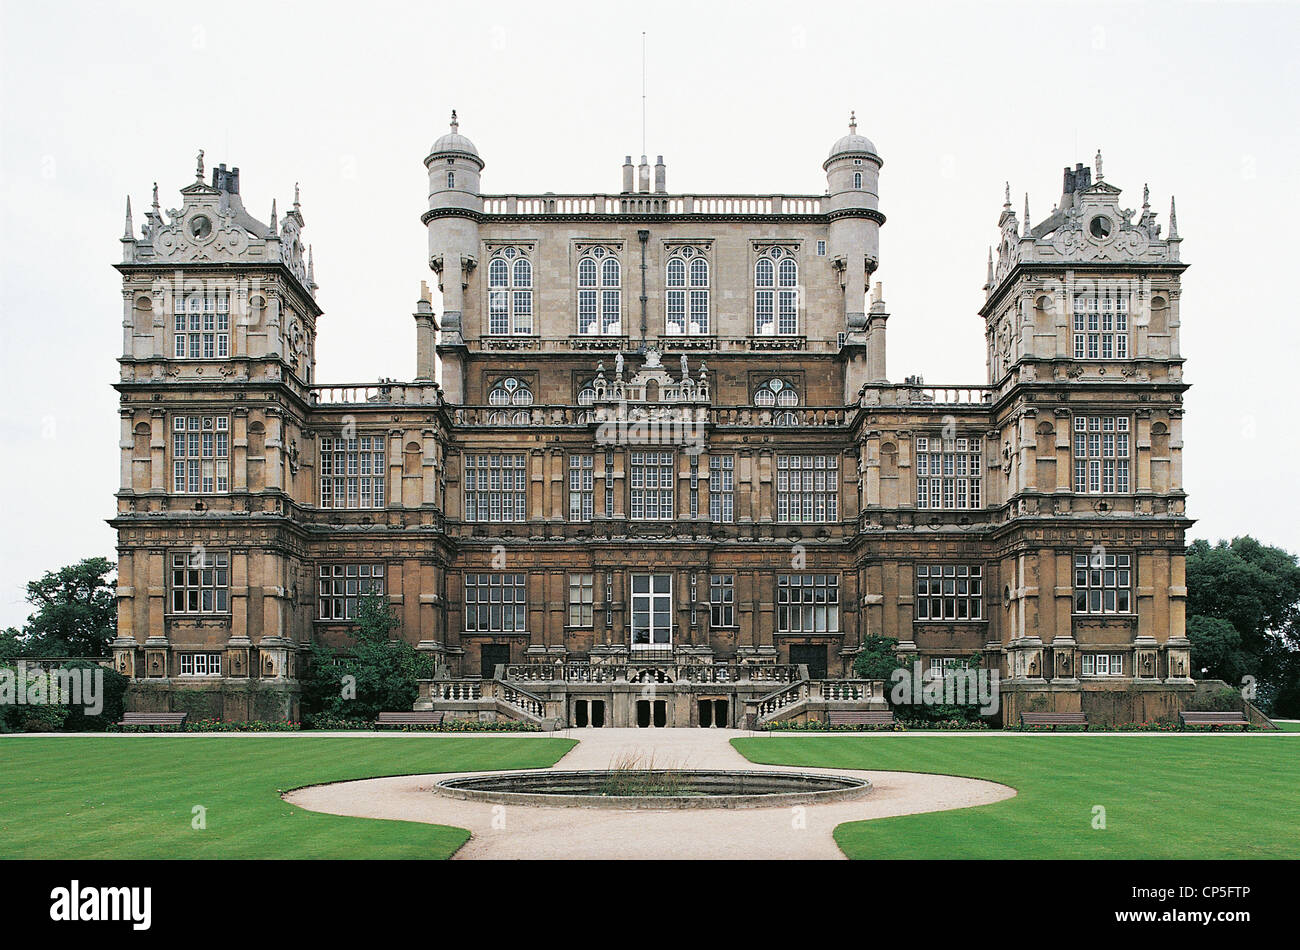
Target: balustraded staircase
(809,699)
(497,698)
(540,693)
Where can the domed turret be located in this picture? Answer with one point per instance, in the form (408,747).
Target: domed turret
(454,167)
(453,143)
(852,144)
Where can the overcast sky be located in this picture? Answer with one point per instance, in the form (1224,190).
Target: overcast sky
(100,100)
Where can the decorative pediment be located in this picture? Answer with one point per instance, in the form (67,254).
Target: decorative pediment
(1088,225)
(212,225)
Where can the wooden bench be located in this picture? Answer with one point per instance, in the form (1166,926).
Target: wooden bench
(152,719)
(860,717)
(1054,719)
(425,718)
(1214,719)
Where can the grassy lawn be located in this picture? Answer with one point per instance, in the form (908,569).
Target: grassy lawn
(1287,726)
(132,796)
(1164,796)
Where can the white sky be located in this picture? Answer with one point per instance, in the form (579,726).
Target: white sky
(100,100)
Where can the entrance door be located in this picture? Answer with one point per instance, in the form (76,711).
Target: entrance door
(812,655)
(493,654)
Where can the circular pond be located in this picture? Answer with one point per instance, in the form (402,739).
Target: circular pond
(660,788)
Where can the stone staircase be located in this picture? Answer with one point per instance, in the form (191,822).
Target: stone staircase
(809,699)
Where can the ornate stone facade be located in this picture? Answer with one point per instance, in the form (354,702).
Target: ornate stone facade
(653,432)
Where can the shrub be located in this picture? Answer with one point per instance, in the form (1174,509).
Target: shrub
(1221,700)
(44,717)
(383,671)
(36,718)
(114,700)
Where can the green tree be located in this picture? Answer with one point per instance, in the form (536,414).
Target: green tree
(1216,650)
(1254,588)
(76,611)
(11,643)
(378,674)
(877,659)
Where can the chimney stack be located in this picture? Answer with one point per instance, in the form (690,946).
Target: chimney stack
(226,180)
(629,176)
(661,175)
(643,176)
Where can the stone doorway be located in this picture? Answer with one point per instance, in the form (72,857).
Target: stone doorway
(493,654)
(588,713)
(651,712)
(812,655)
(714,712)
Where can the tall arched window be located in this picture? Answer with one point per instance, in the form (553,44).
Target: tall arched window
(857,180)
(600,297)
(510,293)
(510,392)
(686,305)
(776,293)
(451,179)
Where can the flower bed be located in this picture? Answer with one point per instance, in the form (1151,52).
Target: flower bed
(816,725)
(215,725)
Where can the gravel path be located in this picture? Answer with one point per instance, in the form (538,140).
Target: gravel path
(505,832)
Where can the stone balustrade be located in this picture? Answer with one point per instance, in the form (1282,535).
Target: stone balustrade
(772,703)
(848,690)
(654,203)
(541,416)
(907,394)
(817,691)
(460,690)
(650,672)
(381,393)
(602,343)
(520,699)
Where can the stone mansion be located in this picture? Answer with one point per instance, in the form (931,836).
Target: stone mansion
(652,439)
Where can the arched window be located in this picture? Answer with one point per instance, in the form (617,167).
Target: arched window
(600,297)
(857,180)
(451,179)
(776,293)
(780,394)
(510,293)
(586,398)
(510,392)
(686,305)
